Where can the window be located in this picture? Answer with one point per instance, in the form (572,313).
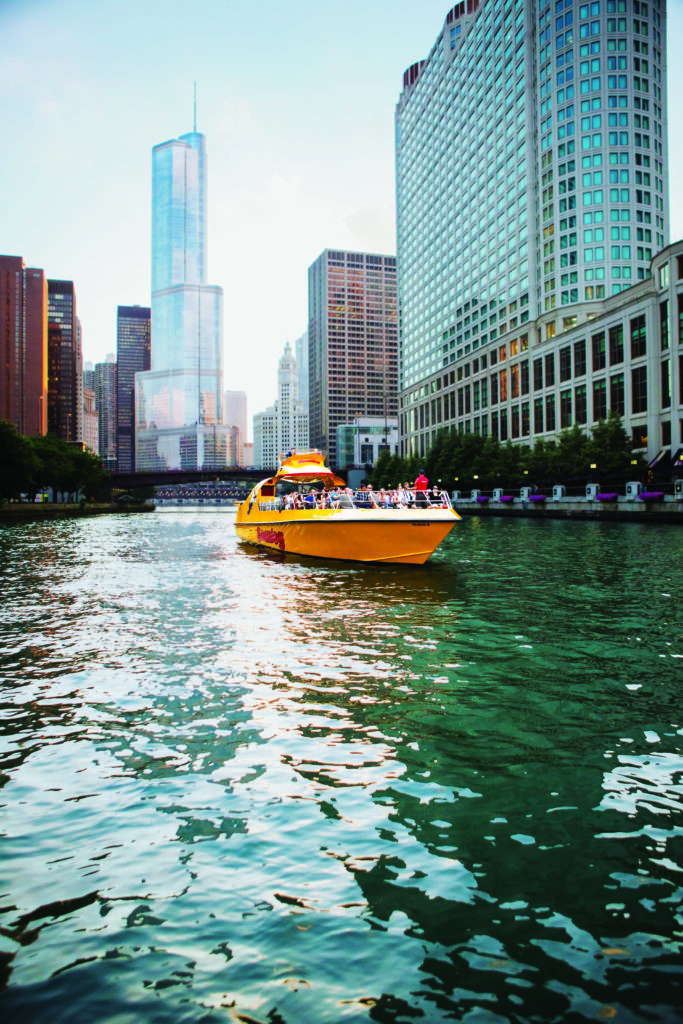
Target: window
(580,404)
(538,416)
(550,372)
(599,353)
(565,363)
(638,343)
(616,344)
(579,358)
(664,324)
(550,412)
(666,384)
(616,393)
(565,409)
(639,389)
(639,436)
(538,375)
(599,400)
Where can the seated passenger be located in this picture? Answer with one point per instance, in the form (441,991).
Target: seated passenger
(362,498)
(406,495)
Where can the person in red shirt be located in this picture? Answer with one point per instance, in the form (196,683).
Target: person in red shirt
(421,485)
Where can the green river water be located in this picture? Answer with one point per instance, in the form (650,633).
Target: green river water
(237,786)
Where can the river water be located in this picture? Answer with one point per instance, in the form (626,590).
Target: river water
(238,786)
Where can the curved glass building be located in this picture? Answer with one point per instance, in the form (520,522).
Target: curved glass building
(532,189)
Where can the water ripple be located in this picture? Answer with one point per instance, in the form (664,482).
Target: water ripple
(238,786)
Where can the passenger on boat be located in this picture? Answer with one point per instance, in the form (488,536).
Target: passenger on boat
(406,496)
(435,497)
(346,498)
(363,498)
(372,496)
(309,499)
(334,497)
(421,485)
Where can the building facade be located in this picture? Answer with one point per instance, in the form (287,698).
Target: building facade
(23,346)
(179,401)
(284,425)
(301,356)
(521,217)
(90,419)
(133,355)
(235,419)
(362,442)
(104,385)
(65,371)
(352,342)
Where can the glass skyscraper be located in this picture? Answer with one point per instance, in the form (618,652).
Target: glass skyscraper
(64,395)
(532,189)
(179,422)
(133,355)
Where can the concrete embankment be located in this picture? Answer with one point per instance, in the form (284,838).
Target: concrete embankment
(15,512)
(614,511)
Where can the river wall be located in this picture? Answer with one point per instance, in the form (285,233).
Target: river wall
(16,511)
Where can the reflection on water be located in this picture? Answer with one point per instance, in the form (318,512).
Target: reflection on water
(238,786)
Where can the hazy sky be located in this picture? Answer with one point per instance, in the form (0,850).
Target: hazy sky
(296,100)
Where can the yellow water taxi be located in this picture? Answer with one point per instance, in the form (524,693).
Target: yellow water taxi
(306,510)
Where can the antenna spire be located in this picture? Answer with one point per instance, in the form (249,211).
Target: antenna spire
(195,107)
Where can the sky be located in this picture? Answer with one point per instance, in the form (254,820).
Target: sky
(296,100)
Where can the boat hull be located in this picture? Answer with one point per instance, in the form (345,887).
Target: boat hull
(359,535)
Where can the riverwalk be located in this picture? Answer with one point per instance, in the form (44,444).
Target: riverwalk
(617,510)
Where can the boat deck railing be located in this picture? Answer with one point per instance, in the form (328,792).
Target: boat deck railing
(418,501)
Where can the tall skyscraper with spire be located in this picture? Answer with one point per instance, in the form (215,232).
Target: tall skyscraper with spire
(179,416)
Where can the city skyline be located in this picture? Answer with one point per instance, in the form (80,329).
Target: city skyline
(286,113)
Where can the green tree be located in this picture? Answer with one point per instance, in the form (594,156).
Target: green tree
(572,453)
(542,461)
(18,464)
(90,477)
(611,448)
(55,463)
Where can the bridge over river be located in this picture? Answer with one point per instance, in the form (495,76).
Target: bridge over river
(167,478)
